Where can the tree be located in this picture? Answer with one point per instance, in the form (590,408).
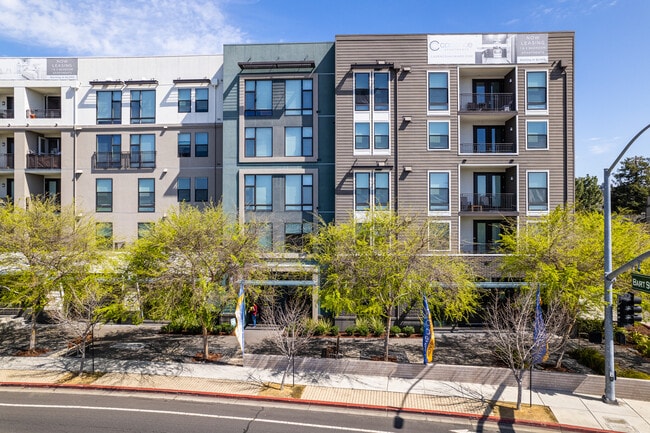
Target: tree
(589,196)
(43,249)
(631,187)
(372,267)
(189,264)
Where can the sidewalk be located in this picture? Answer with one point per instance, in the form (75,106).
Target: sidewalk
(318,382)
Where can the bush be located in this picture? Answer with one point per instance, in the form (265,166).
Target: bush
(377,326)
(226,328)
(589,357)
(351,330)
(408,330)
(632,374)
(589,325)
(642,343)
(395,330)
(334,330)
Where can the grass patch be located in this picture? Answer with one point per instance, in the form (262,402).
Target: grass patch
(535,412)
(271,389)
(80,379)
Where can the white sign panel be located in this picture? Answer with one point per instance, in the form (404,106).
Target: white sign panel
(38,68)
(481,49)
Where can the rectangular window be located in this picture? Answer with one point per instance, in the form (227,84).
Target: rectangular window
(146,195)
(295,236)
(259,142)
(109,107)
(184,100)
(183,189)
(536,90)
(381,91)
(361,91)
(381,135)
(201,189)
(143,229)
(538,191)
(143,106)
(258,192)
(439,235)
(438,192)
(438,135)
(371,191)
(362,136)
(201,100)
(259,98)
(299,192)
(381,191)
(266,236)
(298,97)
(143,151)
(184,145)
(438,91)
(109,151)
(200,144)
(298,141)
(361,191)
(537,135)
(104,234)
(103,195)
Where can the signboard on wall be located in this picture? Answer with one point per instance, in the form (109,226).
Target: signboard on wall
(64,68)
(479,49)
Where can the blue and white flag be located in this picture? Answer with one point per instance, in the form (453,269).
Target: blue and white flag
(240,317)
(428,339)
(540,339)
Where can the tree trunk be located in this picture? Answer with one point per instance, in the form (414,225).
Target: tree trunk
(519,377)
(82,349)
(284,375)
(32,336)
(387,336)
(205,343)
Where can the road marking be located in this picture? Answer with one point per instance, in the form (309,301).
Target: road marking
(201,415)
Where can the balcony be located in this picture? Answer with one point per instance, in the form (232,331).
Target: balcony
(479,247)
(36,161)
(486,102)
(43,113)
(123,160)
(488,148)
(495,202)
(6,161)
(6,114)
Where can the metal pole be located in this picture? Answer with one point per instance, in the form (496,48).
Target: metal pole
(610,373)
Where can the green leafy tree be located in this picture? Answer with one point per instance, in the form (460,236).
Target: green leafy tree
(631,187)
(373,266)
(589,196)
(189,264)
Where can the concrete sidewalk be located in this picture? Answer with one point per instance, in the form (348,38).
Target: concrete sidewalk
(344,386)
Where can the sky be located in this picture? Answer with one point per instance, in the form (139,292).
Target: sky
(612,60)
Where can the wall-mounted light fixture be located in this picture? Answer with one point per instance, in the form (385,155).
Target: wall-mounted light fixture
(408,168)
(406,68)
(164,170)
(79,172)
(463,161)
(511,161)
(4,144)
(407,119)
(2,185)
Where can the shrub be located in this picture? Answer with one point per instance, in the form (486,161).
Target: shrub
(395,330)
(632,374)
(642,343)
(226,328)
(322,327)
(376,325)
(363,326)
(589,357)
(589,325)
(408,330)
(334,330)
(351,330)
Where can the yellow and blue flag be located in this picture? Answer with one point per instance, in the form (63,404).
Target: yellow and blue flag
(240,317)
(428,339)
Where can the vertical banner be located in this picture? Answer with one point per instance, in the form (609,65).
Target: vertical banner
(428,339)
(240,317)
(539,333)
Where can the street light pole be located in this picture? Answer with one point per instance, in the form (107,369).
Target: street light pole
(610,373)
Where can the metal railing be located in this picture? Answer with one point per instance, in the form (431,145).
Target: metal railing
(42,113)
(6,160)
(479,248)
(473,202)
(44,161)
(123,160)
(471,102)
(488,148)
(6,114)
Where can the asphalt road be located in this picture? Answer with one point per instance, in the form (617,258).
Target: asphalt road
(29,411)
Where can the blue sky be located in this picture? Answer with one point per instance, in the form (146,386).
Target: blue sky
(612,63)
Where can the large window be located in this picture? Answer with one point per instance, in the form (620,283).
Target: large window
(143,229)
(143,106)
(537,135)
(371,191)
(109,107)
(295,236)
(184,145)
(103,195)
(438,191)
(378,100)
(201,189)
(201,144)
(183,189)
(146,195)
(362,91)
(259,98)
(438,135)
(298,141)
(381,136)
(537,191)
(258,194)
(439,235)
(438,91)
(298,97)
(201,103)
(380,91)
(299,192)
(143,151)
(362,136)
(259,142)
(109,151)
(536,90)
(184,100)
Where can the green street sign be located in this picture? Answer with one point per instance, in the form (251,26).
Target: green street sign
(641,282)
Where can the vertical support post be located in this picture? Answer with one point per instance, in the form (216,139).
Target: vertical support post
(610,373)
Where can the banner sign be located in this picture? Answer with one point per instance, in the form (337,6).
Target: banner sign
(478,49)
(64,68)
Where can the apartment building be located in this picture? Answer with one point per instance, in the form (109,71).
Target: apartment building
(472,132)
(125,139)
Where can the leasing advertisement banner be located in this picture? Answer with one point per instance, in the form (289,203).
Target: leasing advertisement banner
(478,49)
(63,68)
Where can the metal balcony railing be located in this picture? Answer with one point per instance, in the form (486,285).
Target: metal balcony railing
(471,102)
(6,114)
(42,113)
(44,161)
(6,161)
(488,148)
(123,160)
(479,247)
(473,202)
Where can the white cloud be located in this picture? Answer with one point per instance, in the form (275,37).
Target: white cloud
(119,27)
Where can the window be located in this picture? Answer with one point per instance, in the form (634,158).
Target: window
(536,90)
(201,102)
(103,195)
(259,142)
(538,191)
(438,135)
(201,144)
(439,235)
(104,234)
(201,189)
(146,195)
(258,194)
(295,236)
(299,192)
(109,151)
(371,190)
(184,100)
(380,92)
(381,135)
(438,192)
(438,91)
(184,145)
(183,189)
(143,229)
(266,236)
(109,107)
(298,141)
(143,106)
(362,136)
(298,97)
(537,135)
(259,98)
(143,151)
(362,91)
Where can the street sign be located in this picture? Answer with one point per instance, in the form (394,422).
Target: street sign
(641,282)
